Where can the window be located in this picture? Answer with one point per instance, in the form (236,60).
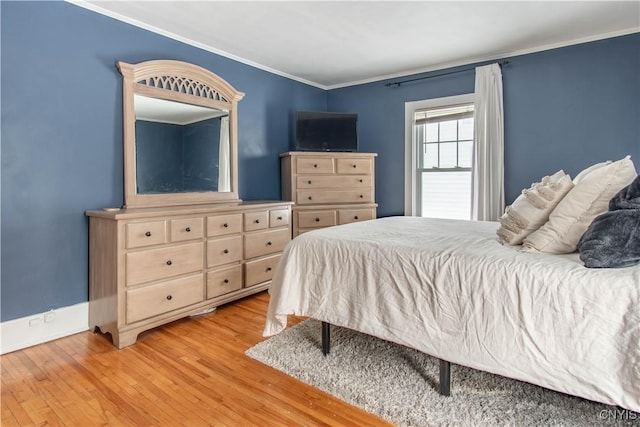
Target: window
(441,133)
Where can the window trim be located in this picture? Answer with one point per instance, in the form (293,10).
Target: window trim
(411,155)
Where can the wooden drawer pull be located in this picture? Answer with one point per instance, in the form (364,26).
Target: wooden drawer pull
(309,197)
(362,196)
(361,180)
(354,166)
(268,268)
(317,219)
(188,229)
(169,297)
(355,217)
(257,221)
(226,280)
(315,165)
(279,218)
(225,225)
(148,234)
(268,243)
(169,262)
(226,251)
(309,181)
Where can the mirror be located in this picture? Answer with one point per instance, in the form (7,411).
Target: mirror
(180,148)
(180,144)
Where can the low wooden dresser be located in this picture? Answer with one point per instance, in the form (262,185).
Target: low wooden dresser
(328,188)
(150,266)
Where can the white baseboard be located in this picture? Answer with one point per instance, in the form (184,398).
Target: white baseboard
(38,328)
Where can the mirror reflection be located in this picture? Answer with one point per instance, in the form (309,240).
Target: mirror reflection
(180,148)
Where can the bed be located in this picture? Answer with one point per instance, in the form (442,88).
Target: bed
(448,288)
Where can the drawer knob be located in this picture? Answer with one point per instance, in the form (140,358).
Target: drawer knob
(355,217)
(309,181)
(226,251)
(361,181)
(226,280)
(169,262)
(268,268)
(354,166)
(279,218)
(148,234)
(257,221)
(268,243)
(169,297)
(188,229)
(362,196)
(317,219)
(309,197)
(315,165)
(225,225)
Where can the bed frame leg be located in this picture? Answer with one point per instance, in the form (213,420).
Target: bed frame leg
(445,367)
(445,378)
(326,338)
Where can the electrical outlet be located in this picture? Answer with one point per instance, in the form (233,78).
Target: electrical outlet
(49,316)
(36,321)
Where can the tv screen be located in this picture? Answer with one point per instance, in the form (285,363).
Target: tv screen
(319,131)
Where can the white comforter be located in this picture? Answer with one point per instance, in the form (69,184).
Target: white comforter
(449,289)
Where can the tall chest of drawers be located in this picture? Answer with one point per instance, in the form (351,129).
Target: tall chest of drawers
(328,188)
(150,266)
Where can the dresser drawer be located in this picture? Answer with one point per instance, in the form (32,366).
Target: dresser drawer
(314,165)
(256,220)
(221,225)
(186,229)
(261,271)
(279,218)
(333,181)
(346,216)
(224,280)
(224,250)
(311,197)
(265,243)
(354,166)
(163,297)
(140,234)
(154,264)
(309,219)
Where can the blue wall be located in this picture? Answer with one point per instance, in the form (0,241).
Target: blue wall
(62,130)
(564,109)
(159,157)
(62,138)
(201,157)
(174,158)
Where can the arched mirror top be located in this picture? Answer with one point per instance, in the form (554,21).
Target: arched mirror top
(180,135)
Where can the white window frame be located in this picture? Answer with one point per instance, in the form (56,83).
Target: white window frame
(410,149)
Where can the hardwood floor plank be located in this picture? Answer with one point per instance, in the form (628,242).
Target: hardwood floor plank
(56,385)
(97,404)
(191,372)
(12,410)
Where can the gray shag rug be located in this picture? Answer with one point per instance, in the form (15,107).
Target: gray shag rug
(400,385)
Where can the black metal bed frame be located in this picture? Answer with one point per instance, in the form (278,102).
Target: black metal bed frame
(445,367)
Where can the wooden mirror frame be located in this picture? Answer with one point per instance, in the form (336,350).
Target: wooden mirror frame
(181,82)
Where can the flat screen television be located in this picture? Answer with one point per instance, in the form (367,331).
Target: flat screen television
(320,131)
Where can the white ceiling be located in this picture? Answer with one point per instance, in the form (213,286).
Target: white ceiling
(333,44)
(177,113)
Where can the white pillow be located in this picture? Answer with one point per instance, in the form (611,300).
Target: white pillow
(590,196)
(532,208)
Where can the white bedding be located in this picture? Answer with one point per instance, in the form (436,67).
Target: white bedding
(449,289)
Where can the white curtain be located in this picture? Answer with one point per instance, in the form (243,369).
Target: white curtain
(224,175)
(488,146)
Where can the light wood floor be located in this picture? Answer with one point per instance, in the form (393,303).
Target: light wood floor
(190,372)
